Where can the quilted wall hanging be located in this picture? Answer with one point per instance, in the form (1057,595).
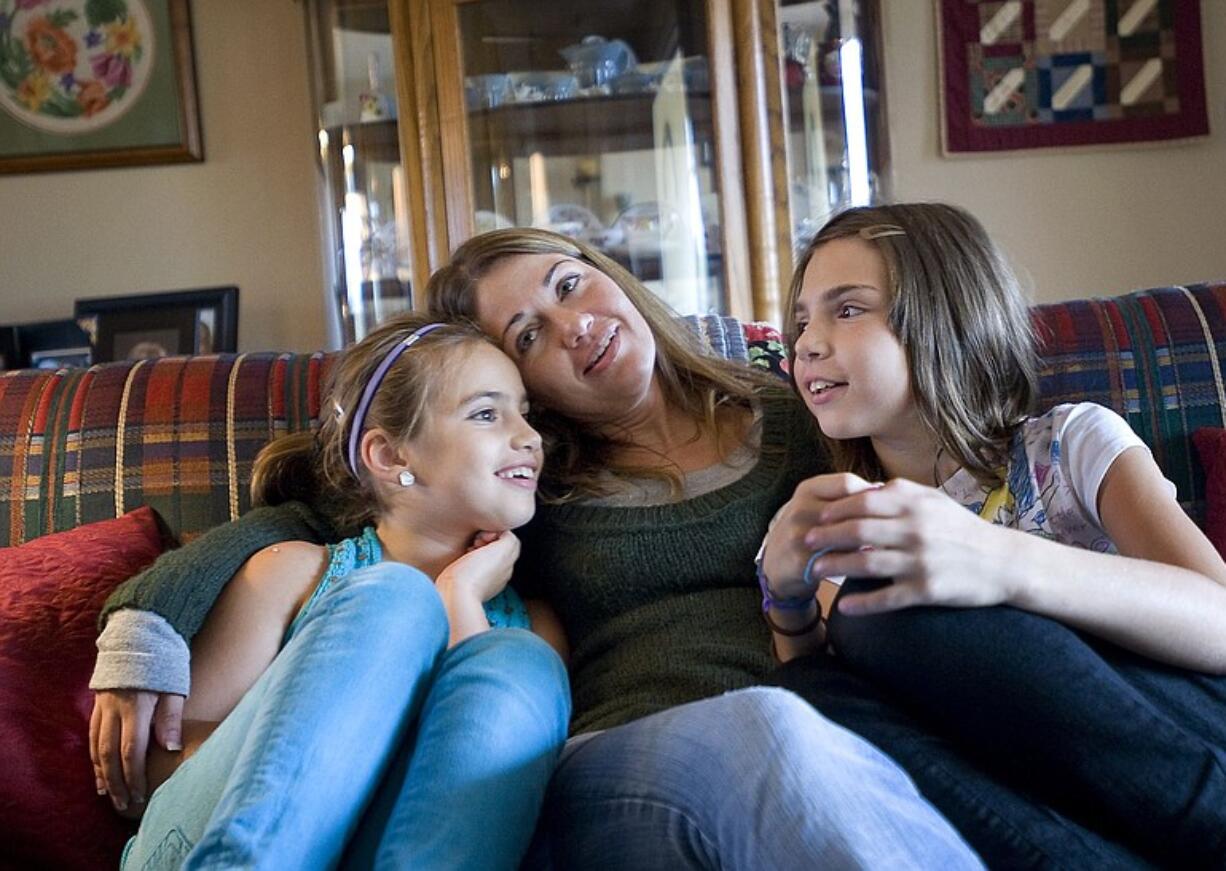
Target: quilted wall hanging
(1056,73)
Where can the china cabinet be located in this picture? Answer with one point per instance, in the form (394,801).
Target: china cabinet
(696,142)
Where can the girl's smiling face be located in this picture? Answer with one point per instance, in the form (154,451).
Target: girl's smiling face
(476,457)
(850,367)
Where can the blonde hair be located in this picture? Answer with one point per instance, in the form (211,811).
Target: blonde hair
(692,379)
(963,322)
(314,466)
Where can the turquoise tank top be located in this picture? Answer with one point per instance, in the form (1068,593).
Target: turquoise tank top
(504,611)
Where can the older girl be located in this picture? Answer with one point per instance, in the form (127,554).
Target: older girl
(378,698)
(913,351)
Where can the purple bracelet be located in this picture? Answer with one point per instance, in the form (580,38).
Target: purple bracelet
(792,603)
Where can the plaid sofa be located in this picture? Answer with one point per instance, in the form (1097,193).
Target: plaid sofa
(180,434)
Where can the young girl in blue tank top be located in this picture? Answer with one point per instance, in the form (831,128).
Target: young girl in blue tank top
(378,701)
(913,349)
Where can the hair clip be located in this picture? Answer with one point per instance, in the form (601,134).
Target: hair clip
(880,231)
(340,412)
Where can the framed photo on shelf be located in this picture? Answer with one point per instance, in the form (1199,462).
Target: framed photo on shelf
(44,345)
(146,325)
(86,84)
(60,358)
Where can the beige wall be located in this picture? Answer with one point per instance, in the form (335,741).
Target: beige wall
(1089,222)
(1076,224)
(246,216)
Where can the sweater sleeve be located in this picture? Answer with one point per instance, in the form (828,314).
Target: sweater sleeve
(182,585)
(140,650)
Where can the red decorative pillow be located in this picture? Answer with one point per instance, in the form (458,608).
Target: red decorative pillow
(51,590)
(1210,444)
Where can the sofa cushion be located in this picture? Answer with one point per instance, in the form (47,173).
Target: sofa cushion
(51,590)
(1211,448)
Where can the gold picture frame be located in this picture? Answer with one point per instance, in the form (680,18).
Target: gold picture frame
(86,84)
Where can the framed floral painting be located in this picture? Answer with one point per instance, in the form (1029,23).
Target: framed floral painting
(95,83)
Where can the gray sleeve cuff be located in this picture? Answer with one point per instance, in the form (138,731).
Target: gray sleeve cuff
(140,650)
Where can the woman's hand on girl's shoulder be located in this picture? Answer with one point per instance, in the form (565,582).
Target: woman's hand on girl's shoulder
(936,551)
(786,552)
(485,569)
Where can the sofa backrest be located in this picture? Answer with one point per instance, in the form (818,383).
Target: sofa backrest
(1154,356)
(181,433)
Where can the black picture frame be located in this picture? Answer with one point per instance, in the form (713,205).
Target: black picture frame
(10,354)
(137,326)
(44,345)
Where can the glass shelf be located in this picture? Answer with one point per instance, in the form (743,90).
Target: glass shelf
(836,143)
(693,141)
(598,123)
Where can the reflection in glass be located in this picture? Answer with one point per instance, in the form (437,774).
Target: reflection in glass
(595,121)
(836,147)
(366,227)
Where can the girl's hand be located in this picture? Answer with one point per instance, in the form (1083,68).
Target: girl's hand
(937,552)
(485,569)
(787,553)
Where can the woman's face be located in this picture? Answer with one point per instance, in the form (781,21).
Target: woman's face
(582,347)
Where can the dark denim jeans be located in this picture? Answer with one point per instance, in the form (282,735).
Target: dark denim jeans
(1043,747)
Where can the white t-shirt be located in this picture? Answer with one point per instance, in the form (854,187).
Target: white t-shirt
(1056,466)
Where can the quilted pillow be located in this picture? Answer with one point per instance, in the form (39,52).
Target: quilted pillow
(51,590)
(1211,448)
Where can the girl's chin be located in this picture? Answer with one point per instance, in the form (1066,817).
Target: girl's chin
(838,430)
(512,519)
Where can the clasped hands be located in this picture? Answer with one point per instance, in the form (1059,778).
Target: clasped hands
(935,550)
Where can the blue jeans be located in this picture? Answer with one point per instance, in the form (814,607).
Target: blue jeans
(751,779)
(367,732)
(1128,748)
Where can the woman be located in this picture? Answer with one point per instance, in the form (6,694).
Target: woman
(664,467)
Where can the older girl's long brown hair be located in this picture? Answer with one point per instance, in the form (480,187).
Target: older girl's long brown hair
(963,322)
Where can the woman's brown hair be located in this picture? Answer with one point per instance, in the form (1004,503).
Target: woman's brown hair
(692,378)
(963,322)
(314,467)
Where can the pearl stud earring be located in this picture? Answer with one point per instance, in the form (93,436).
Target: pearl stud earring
(407,478)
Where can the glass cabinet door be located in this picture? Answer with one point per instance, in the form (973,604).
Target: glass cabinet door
(598,121)
(837,153)
(366,228)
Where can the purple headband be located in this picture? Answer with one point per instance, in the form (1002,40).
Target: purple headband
(359,416)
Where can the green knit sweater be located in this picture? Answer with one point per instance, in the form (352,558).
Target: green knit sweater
(660,603)
(183,585)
